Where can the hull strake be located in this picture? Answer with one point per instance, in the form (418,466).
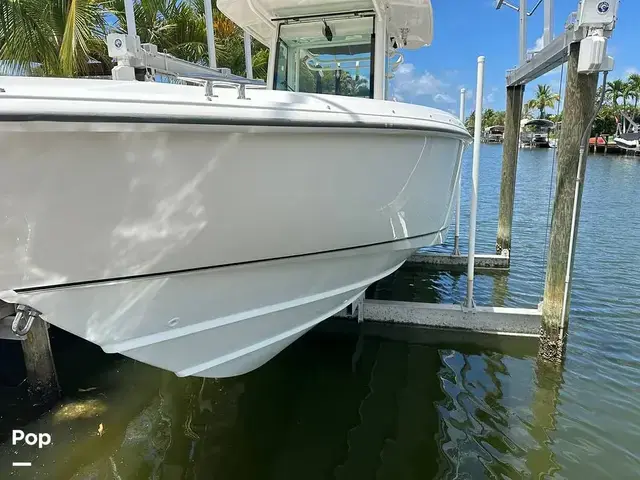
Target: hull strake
(220,322)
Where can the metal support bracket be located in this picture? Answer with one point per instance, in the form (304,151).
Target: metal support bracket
(25,314)
(356,309)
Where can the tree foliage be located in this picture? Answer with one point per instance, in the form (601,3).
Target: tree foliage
(53,38)
(68,37)
(621,96)
(490,118)
(544,98)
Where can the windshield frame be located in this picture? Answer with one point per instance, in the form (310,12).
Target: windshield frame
(282,65)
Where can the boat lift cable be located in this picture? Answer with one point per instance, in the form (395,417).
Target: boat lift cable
(553,169)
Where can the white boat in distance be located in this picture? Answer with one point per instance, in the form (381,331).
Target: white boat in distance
(202,231)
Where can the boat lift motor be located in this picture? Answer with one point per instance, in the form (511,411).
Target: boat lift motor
(599,17)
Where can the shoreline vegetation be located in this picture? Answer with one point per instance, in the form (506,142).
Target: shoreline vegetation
(621,96)
(67,38)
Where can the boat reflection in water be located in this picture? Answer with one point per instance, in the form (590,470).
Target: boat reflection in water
(331,406)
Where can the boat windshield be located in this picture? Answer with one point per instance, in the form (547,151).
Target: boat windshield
(331,56)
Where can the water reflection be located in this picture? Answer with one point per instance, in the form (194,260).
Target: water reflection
(370,401)
(329,407)
(541,459)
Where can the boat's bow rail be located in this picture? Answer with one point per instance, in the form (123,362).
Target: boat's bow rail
(209,81)
(32,99)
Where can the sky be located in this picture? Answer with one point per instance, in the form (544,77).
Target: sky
(466,29)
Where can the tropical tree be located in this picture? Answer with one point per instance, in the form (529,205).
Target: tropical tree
(470,122)
(492,118)
(526,110)
(615,89)
(54,37)
(67,37)
(545,98)
(179,28)
(634,83)
(605,122)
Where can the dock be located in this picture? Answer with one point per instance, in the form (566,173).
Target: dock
(459,262)
(548,322)
(488,320)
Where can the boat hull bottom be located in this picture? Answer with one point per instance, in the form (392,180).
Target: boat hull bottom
(223,321)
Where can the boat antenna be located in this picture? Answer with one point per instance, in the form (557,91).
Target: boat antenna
(328,34)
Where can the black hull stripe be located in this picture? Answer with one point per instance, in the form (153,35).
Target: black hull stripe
(214,267)
(99,118)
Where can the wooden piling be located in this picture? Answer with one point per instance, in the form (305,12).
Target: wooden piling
(579,102)
(509,163)
(38,358)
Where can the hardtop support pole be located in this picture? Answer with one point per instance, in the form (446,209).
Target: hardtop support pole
(130,18)
(211,42)
(247,55)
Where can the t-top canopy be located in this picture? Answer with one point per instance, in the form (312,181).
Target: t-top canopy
(410,22)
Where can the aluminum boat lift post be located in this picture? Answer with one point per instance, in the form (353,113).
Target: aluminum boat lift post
(456,260)
(522,322)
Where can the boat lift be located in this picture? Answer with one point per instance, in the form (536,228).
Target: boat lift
(521,322)
(585,43)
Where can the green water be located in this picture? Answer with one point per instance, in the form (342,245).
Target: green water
(383,402)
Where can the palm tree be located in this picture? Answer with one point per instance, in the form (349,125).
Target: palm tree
(53,37)
(545,98)
(179,28)
(634,82)
(615,90)
(67,37)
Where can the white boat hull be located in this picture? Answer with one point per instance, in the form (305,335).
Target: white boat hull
(205,249)
(224,321)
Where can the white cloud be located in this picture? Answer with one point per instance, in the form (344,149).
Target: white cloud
(407,81)
(632,71)
(443,98)
(538,46)
(555,71)
(412,86)
(490,98)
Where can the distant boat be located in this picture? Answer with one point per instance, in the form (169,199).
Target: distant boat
(535,133)
(494,134)
(629,140)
